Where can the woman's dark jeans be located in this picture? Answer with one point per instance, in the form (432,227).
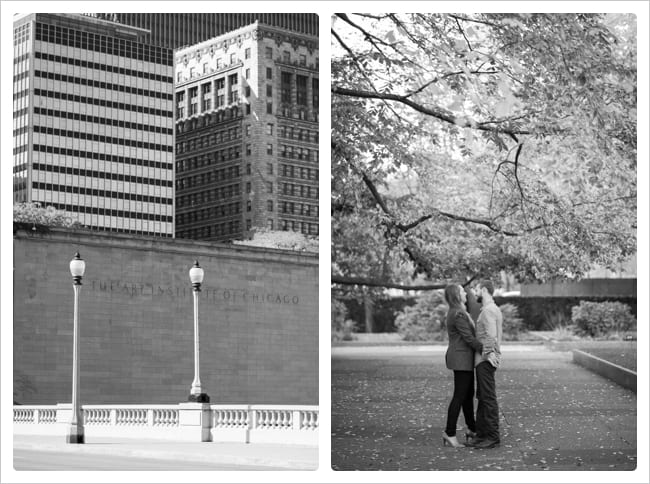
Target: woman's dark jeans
(463,398)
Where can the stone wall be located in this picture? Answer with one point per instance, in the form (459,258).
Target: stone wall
(258,317)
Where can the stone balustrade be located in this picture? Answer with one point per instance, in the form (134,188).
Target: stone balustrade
(287,424)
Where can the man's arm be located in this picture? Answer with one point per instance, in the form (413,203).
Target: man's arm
(461,320)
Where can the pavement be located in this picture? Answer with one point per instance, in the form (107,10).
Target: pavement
(170,454)
(389,407)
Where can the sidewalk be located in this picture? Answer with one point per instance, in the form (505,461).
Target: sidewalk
(294,457)
(389,406)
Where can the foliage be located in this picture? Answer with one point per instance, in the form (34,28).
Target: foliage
(472,144)
(425,320)
(278,239)
(33,213)
(602,319)
(342,327)
(513,325)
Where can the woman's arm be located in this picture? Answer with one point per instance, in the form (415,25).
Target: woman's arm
(462,323)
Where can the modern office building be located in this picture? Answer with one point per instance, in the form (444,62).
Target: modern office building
(176,30)
(93,122)
(247,134)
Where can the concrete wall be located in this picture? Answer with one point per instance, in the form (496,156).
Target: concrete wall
(584,288)
(258,321)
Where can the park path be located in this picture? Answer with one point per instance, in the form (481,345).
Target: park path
(389,407)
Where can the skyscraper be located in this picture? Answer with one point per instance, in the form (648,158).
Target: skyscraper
(93,122)
(247,134)
(176,30)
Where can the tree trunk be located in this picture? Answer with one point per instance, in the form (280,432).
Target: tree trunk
(368,306)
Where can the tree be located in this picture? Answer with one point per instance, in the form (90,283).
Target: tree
(32,216)
(463,145)
(277,239)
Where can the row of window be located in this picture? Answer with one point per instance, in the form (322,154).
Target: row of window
(207,119)
(68,170)
(18,59)
(212,213)
(295,208)
(296,226)
(297,153)
(21,112)
(207,196)
(112,213)
(299,134)
(53,76)
(232,227)
(102,102)
(297,112)
(294,190)
(102,138)
(104,67)
(99,120)
(213,176)
(103,44)
(210,139)
(291,171)
(101,193)
(102,156)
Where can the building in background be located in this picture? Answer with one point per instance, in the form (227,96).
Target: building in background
(176,30)
(247,134)
(93,122)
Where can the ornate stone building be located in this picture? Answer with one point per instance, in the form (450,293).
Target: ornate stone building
(247,134)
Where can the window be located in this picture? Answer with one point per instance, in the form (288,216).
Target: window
(314,93)
(269,90)
(286,56)
(248,187)
(301,90)
(248,91)
(269,187)
(303,59)
(248,224)
(178,77)
(248,153)
(248,73)
(269,149)
(233,58)
(248,108)
(249,205)
(205,88)
(269,129)
(269,224)
(269,52)
(221,83)
(269,73)
(192,72)
(269,168)
(269,205)
(285,87)
(205,68)
(247,53)
(248,130)
(233,79)
(269,108)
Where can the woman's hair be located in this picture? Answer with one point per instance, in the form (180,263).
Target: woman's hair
(452,295)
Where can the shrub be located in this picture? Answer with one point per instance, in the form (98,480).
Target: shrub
(602,318)
(33,214)
(424,321)
(513,325)
(342,327)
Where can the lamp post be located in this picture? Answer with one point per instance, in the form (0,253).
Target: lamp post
(75,433)
(196,277)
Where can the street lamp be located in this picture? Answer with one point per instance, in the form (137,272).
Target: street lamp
(76,431)
(196,277)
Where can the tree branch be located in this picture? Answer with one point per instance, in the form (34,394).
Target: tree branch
(360,281)
(437,113)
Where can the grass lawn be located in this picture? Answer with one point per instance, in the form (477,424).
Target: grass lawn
(622,353)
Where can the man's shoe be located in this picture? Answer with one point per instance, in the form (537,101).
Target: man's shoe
(484,443)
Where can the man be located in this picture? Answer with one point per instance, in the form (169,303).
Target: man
(489,327)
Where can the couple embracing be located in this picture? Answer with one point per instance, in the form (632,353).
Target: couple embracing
(474,325)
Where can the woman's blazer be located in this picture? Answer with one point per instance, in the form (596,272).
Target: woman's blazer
(462,341)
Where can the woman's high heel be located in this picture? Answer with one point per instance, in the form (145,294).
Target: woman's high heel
(450,441)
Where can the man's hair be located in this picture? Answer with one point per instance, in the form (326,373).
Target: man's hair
(487,284)
(452,295)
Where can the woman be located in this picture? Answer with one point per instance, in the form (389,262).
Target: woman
(460,359)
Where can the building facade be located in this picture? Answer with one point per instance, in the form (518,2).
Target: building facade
(176,30)
(247,134)
(93,122)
